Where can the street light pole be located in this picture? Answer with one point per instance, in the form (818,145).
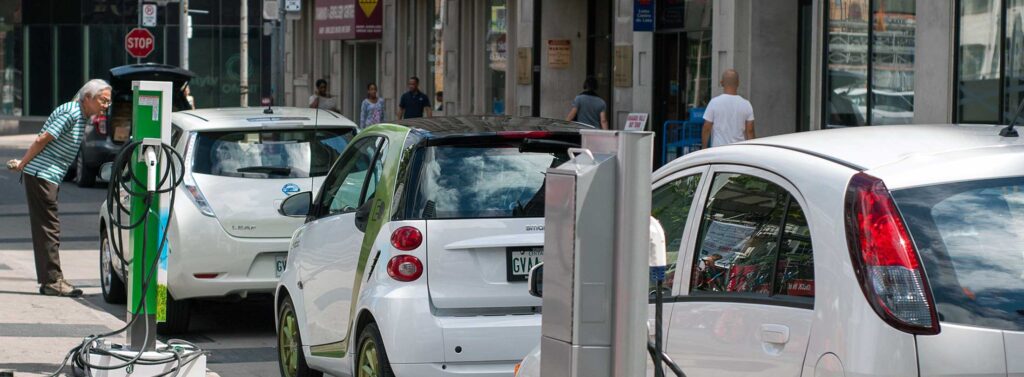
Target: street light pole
(183,33)
(243,59)
(139,25)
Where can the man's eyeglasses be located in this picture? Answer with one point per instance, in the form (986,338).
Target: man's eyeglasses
(103,101)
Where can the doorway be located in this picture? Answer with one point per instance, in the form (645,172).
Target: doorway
(682,80)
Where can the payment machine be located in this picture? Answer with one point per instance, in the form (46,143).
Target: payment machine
(596,242)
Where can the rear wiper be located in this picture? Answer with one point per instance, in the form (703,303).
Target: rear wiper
(275,170)
(545,146)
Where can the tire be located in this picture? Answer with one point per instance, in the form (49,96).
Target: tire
(371,357)
(112,286)
(84,176)
(290,359)
(178,314)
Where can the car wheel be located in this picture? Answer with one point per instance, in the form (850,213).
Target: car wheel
(289,344)
(178,314)
(84,177)
(111,284)
(371,358)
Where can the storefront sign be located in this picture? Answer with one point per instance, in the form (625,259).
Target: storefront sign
(623,67)
(524,66)
(559,53)
(348,19)
(636,122)
(643,15)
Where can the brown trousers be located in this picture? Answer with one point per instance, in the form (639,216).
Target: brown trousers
(42,214)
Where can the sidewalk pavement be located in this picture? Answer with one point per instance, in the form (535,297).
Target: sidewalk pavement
(37,331)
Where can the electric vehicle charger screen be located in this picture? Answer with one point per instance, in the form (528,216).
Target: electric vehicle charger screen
(481,181)
(269,153)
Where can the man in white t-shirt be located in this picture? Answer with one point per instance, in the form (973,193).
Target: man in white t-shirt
(728,118)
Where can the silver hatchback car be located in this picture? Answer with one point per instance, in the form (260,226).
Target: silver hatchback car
(874,251)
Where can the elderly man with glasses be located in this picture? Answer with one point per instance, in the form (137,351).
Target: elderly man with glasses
(43,168)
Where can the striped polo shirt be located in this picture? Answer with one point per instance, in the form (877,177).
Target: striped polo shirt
(67,126)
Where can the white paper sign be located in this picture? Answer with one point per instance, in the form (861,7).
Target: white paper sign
(636,122)
(152,101)
(148,15)
(292,5)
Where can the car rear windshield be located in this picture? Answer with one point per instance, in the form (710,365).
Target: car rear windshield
(969,237)
(493,180)
(269,153)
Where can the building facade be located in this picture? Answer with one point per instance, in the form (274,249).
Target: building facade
(49,48)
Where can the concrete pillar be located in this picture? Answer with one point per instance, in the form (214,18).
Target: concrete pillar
(934,76)
(390,89)
(521,94)
(622,32)
(748,36)
(563,20)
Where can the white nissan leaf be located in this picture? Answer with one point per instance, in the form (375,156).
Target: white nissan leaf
(226,239)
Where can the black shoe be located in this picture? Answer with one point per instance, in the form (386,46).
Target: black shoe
(60,288)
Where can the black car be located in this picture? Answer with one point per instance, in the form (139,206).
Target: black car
(105,134)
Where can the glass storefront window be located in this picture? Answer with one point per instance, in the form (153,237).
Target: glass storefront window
(496,48)
(884,30)
(990,60)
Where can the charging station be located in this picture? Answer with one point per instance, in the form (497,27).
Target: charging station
(596,251)
(139,174)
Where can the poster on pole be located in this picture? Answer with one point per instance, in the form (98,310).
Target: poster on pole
(636,122)
(148,15)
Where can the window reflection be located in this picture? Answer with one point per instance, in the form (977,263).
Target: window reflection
(978,90)
(670,204)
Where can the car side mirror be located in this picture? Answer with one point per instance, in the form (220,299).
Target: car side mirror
(296,205)
(536,280)
(106,170)
(363,215)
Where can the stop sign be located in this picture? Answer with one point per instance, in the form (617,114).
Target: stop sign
(139,42)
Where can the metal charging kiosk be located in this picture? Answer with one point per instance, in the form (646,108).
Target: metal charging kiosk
(596,240)
(151,119)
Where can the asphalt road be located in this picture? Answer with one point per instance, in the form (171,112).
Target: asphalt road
(240,335)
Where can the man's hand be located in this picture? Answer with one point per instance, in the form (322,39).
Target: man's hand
(15,165)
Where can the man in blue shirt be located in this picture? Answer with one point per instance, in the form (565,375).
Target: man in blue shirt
(43,168)
(414,102)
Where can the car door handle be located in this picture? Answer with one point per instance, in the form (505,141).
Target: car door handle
(776,334)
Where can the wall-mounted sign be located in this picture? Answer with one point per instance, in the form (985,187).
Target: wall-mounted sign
(559,53)
(623,67)
(348,19)
(524,65)
(292,5)
(643,15)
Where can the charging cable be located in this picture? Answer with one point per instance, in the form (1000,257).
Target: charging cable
(178,351)
(658,262)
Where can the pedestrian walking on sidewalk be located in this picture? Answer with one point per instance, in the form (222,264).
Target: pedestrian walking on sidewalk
(372,110)
(728,118)
(588,107)
(414,103)
(43,168)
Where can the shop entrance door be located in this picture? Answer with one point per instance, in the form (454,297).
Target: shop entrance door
(682,70)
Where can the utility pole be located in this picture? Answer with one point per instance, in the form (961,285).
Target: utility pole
(243,59)
(139,24)
(183,33)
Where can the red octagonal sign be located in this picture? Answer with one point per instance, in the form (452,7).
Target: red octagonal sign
(139,42)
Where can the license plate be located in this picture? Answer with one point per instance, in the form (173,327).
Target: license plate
(280,261)
(519,261)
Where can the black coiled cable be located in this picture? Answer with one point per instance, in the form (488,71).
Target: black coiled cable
(122,176)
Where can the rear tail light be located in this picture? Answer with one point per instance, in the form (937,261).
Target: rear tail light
(406,238)
(99,122)
(189,183)
(205,276)
(405,267)
(887,266)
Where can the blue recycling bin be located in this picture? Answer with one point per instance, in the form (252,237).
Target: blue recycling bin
(680,137)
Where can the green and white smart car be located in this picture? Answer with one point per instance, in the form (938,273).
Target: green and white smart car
(414,255)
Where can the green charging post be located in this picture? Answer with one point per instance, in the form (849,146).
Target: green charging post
(151,122)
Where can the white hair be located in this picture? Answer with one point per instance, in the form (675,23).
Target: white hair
(91,89)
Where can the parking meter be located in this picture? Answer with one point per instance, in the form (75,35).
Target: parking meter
(596,241)
(151,121)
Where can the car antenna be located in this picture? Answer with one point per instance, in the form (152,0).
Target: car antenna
(1009,131)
